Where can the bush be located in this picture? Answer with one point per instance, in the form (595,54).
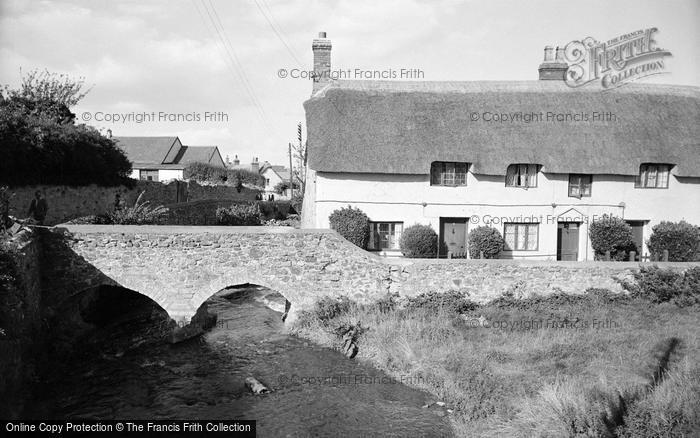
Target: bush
(239,214)
(451,301)
(419,241)
(666,285)
(328,308)
(486,240)
(611,234)
(142,213)
(352,224)
(206,173)
(681,239)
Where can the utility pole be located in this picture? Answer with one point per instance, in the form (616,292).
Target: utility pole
(291,174)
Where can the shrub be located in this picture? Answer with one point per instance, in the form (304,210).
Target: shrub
(142,213)
(328,308)
(281,186)
(207,173)
(419,241)
(239,214)
(486,240)
(662,285)
(352,224)
(611,234)
(681,239)
(451,301)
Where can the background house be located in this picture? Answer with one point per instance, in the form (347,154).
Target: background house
(164,158)
(446,154)
(274,175)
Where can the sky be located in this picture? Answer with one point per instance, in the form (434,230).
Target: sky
(215,64)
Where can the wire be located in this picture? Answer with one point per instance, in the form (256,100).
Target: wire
(270,18)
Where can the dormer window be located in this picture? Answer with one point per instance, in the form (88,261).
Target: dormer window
(522,175)
(653,176)
(448,173)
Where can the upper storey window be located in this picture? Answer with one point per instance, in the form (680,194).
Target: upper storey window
(522,175)
(448,173)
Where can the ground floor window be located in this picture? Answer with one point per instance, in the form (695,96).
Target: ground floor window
(148,175)
(384,235)
(521,237)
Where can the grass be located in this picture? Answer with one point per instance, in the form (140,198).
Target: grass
(595,364)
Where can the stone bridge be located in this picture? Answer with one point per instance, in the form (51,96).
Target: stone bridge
(181,267)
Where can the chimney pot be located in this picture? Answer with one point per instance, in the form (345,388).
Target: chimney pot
(560,54)
(554,67)
(322,34)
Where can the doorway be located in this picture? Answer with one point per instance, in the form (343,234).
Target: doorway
(453,237)
(567,241)
(637,235)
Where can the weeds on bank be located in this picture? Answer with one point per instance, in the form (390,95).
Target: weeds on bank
(594,364)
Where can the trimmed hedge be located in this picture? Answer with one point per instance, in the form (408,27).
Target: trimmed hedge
(352,224)
(204,172)
(239,215)
(612,234)
(487,240)
(681,239)
(419,241)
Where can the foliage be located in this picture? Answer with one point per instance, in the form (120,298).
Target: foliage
(5,196)
(92,219)
(661,285)
(142,213)
(41,144)
(486,240)
(328,308)
(9,270)
(352,224)
(451,301)
(239,215)
(281,186)
(419,241)
(298,201)
(207,173)
(681,239)
(612,234)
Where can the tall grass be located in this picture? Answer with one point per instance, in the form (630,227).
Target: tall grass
(621,367)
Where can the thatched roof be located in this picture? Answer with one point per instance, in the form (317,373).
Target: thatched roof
(401,127)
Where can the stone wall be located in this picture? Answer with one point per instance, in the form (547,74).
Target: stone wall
(20,327)
(66,203)
(181,267)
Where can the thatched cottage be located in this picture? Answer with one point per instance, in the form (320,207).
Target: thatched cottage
(538,160)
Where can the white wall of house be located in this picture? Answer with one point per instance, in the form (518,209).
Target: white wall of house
(487,201)
(169,174)
(271,180)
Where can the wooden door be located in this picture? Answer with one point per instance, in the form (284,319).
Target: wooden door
(567,241)
(453,236)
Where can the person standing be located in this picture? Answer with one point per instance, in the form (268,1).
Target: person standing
(38,208)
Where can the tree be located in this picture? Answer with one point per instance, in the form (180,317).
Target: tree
(612,234)
(40,143)
(281,186)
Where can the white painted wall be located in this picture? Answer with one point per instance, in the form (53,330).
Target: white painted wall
(274,180)
(411,199)
(170,174)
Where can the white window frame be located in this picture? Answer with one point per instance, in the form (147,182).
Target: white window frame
(528,237)
(449,173)
(580,187)
(391,236)
(653,176)
(522,175)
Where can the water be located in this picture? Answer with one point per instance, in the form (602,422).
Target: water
(120,371)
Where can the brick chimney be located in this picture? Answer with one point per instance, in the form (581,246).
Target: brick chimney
(321,47)
(109,133)
(255,166)
(554,67)
(236,161)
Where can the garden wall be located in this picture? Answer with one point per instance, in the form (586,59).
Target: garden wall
(66,203)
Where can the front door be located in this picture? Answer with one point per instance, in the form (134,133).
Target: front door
(637,235)
(567,241)
(453,236)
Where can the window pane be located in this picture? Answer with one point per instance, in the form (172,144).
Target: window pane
(511,175)
(651,176)
(532,175)
(662,176)
(510,236)
(532,237)
(521,237)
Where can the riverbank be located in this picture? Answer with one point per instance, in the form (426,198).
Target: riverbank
(592,364)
